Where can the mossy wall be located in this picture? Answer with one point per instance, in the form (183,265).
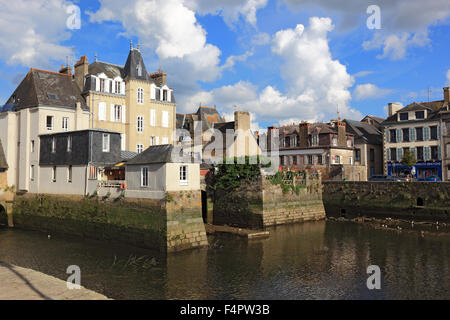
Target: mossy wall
(409,200)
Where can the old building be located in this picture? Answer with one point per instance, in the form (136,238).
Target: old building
(3,169)
(44,102)
(445,125)
(416,127)
(159,169)
(326,147)
(73,162)
(128,100)
(368,140)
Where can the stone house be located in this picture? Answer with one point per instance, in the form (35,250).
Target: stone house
(326,147)
(128,100)
(74,162)
(416,127)
(44,102)
(3,169)
(445,146)
(161,169)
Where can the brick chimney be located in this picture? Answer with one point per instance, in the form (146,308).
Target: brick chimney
(447,94)
(342,136)
(66,70)
(81,70)
(241,120)
(303,134)
(394,107)
(159,77)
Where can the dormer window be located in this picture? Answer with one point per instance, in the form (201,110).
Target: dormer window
(164,95)
(117,86)
(102,85)
(404,116)
(420,114)
(139,70)
(315,140)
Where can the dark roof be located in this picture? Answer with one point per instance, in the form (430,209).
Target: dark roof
(110,70)
(180,120)
(317,128)
(135,67)
(40,87)
(224,126)
(364,132)
(433,107)
(83,130)
(3,163)
(377,119)
(127,155)
(159,154)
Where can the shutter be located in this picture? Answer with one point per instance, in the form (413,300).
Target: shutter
(165,119)
(111,115)
(169,95)
(414,152)
(102,111)
(386,135)
(412,134)
(152,117)
(122,87)
(388,154)
(399,154)
(152,92)
(427,153)
(123,141)
(439,152)
(124,114)
(97,83)
(439,132)
(399,135)
(426,133)
(157,140)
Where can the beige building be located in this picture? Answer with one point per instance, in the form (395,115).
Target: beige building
(44,102)
(128,100)
(3,169)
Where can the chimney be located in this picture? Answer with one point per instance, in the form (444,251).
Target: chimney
(66,70)
(81,70)
(394,107)
(447,94)
(241,120)
(304,134)
(342,136)
(159,77)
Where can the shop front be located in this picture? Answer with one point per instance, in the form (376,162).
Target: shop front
(422,170)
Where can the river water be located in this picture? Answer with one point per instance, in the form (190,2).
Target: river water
(314,260)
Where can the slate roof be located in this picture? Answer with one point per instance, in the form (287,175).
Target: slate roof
(320,128)
(127,155)
(3,163)
(364,132)
(433,106)
(164,153)
(132,66)
(180,120)
(40,87)
(224,126)
(109,69)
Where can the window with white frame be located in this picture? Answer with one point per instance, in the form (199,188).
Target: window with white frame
(152,141)
(102,111)
(54,174)
(69,144)
(32,172)
(102,85)
(152,117)
(349,143)
(315,140)
(49,122)
(69,174)
(337,160)
(65,123)
(140,96)
(116,86)
(165,140)
(183,176)
(165,119)
(334,141)
(139,148)
(164,97)
(117,113)
(144,177)
(105,144)
(140,123)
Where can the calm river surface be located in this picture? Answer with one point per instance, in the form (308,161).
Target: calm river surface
(316,260)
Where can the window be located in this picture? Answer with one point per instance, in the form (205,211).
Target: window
(139,148)
(69,143)
(350,160)
(117,113)
(334,141)
(53,144)
(32,172)
(164,95)
(152,141)
(139,70)
(105,144)
(183,176)
(54,174)
(357,154)
(282,160)
(152,117)
(315,140)
(165,140)
(117,87)
(419,153)
(49,122)
(311,159)
(393,135)
(403,116)
(65,124)
(405,135)
(434,153)
(372,154)
(434,133)
(420,114)
(419,134)
(349,143)
(337,159)
(32,146)
(294,160)
(319,159)
(165,119)
(140,97)
(393,154)
(144,177)
(93,173)
(140,124)
(102,85)
(102,111)
(69,174)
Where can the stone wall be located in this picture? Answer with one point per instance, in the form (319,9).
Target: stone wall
(262,204)
(140,222)
(408,200)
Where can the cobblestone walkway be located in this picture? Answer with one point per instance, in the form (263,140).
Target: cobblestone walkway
(18,283)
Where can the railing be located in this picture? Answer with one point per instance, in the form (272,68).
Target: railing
(111,183)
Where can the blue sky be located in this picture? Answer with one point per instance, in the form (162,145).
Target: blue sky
(282,60)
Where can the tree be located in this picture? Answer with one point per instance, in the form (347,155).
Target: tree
(408,159)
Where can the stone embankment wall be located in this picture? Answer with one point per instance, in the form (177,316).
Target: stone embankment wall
(407,200)
(262,204)
(141,222)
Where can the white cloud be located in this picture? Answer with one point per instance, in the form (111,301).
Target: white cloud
(361,74)
(230,10)
(231,60)
(369,90)
(31,32)
(316,84)
(260,39)
(395,45)
(448,77)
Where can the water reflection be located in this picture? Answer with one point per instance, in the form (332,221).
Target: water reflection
(317,260)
